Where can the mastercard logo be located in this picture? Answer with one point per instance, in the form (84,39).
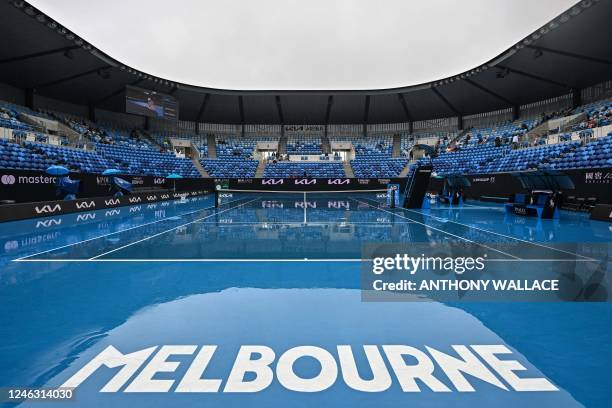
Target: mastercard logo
(8,179)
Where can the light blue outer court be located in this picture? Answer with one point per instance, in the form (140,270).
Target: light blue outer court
(280,271)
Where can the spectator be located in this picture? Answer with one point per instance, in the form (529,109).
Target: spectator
(515,141)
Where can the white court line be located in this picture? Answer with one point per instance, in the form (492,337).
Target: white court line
(109,234)
(473,207)
(542,260)
(296,260)
(116,232)
(439,230)
(495,207)
(171,229)
(239,224)
(212,260)
(305,220)
(497,233)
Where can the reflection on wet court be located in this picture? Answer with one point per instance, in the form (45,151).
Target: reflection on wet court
(143,276)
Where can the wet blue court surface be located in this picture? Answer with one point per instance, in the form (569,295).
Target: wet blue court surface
(282,272)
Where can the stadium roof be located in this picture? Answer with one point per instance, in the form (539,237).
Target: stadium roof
(571,52)
(302,45)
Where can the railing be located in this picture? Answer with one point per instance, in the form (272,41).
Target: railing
(6,133)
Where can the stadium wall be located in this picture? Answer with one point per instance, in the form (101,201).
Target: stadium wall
(487,118)
(11,94)
(44,103)
(119,120)
(597,92)
(498,187)
(310,184)
(24,186)
(186,127)
(52,208)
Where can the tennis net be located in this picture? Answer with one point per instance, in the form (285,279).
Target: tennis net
(226,197)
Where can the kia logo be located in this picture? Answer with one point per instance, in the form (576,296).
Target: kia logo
(272,181)
(112,201)
(85,204)
(48,223)
(8,179)
(339,181)
(112,212)
(307,204)
(85,217)
(151,198)
(338,204)
(135,199)
(47,209)
(305,181)
(272,204)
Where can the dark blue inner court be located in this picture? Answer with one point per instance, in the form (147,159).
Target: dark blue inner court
(282,271)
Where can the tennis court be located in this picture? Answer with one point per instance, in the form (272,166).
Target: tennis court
(300,226)
(280,270)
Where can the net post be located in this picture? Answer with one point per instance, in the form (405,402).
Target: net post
(392,195)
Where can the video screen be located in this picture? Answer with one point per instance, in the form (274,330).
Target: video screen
(150,103)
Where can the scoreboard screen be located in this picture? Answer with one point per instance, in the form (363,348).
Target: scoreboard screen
(145,102)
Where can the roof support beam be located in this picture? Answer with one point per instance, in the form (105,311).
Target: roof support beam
(330,103)
(29,95)
(91,112)
(536,77)
(202,108)
(446,102)
(200,115)
(38,54)
(366,114)
(279,109)
(576,97)
(70,78)
(241,109)
(516,111)
(402,101)
(281,117)
(571,54)
(490,92)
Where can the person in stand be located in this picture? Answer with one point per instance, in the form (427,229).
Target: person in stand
(515,141)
